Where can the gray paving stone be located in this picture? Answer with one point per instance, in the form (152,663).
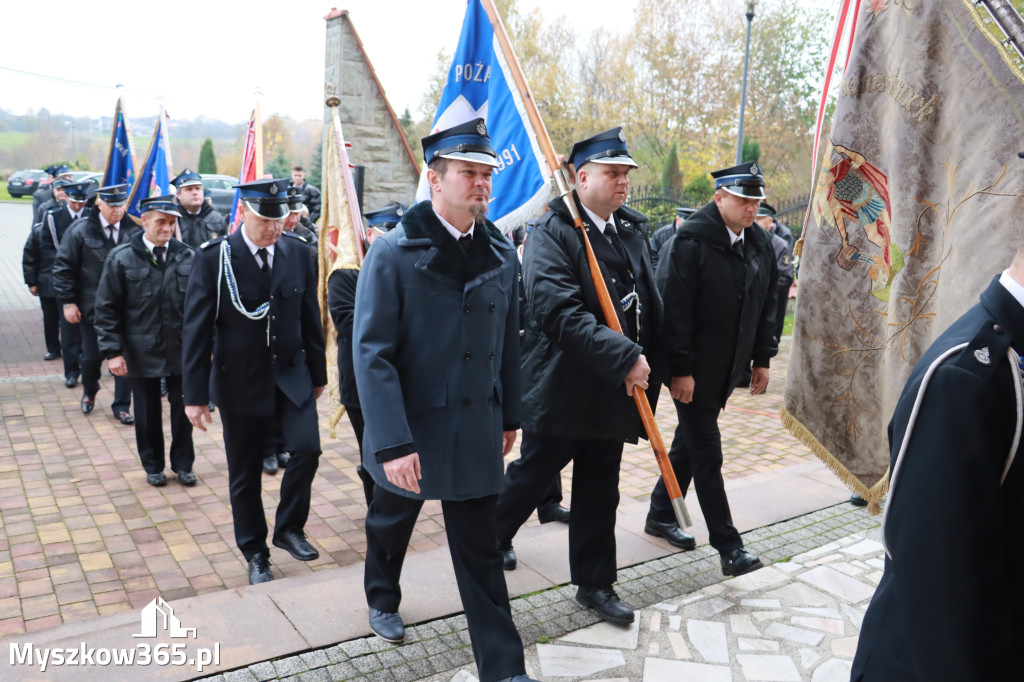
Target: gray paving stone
(289,666)
(355,647)
(243,675)
(315,659)
(342,671)
(318,675)
(367,664)
(263,671)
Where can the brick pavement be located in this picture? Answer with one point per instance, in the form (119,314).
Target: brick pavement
(82,534)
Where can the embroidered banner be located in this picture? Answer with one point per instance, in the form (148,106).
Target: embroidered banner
(916,206)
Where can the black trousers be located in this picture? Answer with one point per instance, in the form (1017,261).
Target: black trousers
(245,442)
(497,647)
(782,300)
(552,496)
(90,363)
(52,314)
(355,417)
(71,347)
(696,454)
(595,482)
(149,425)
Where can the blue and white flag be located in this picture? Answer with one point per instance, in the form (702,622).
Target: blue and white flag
(480,85)
(120,166)
(154,178)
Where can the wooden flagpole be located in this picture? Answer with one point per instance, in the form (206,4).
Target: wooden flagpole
(607,306)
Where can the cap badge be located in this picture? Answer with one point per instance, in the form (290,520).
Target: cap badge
(273,188)
(481,128)
(754,170)
(622,136)
(982,355)
(399,212)
(187,172)
(116,191)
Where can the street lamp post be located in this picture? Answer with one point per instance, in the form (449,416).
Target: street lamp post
(743,97)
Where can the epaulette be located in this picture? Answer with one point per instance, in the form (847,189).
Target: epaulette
(296,236)
(986,351)
(207,244)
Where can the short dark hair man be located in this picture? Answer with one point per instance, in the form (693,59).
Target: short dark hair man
(783,258)
(37,267)
(310,194)
(252,304)
(199,221)
(579,373)
(436,351)
(956,472)
(44,199)
(140,303)
(717,277)
(341,301)
(76,274)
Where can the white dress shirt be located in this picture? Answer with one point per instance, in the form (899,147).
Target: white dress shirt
(253,249)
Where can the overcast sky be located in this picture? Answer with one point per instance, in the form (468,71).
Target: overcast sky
(208,58)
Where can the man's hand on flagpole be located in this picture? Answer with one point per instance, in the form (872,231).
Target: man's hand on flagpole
(638,376)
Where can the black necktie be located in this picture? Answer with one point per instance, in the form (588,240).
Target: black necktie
(111,228)
(737,246)
(265,257)
(158,251)
(466,241)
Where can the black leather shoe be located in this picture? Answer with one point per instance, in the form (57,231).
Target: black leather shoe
(156,480)
(125,417)
(187,478)
(551,513)
(508,558)
(294,542)
(387,626)
(676,536)
(270,464)
(282,459)
(858,501)
(740,561)
(606,604)
(51,356)
(259,569)
(87,404)
(71,381)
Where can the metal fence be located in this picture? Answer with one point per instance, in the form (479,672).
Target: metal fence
(659,205)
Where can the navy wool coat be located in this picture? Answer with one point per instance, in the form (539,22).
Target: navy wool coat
(436,354)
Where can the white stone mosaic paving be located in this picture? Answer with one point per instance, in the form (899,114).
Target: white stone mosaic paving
(789,622)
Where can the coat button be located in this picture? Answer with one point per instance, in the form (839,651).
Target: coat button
(998,329)
(490,401)
(467,401)
(491,355)
(274,358)
(491,307)
(465,308)
(467,355)
(273,338)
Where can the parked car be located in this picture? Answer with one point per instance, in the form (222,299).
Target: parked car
(24,183)
(222,192)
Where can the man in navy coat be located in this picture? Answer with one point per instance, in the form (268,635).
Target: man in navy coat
(436,356)
(252,303)
(956,473)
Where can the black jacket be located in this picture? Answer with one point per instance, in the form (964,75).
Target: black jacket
(41,249)
(660,237)
(573,366)
(139,307)
(341,301)
(39,199)
(310,199)
(202,227)
(79,263)
(252,358)
(956,615)
(719,307)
